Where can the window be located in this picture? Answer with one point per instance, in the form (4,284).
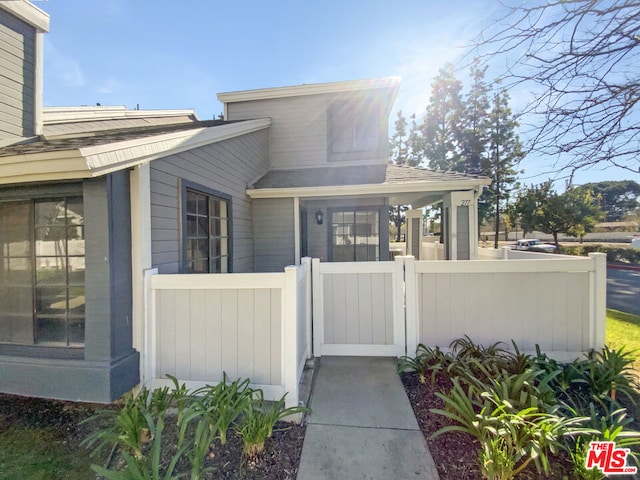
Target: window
(42,265)
(207,240)
(354,128)
(355,235)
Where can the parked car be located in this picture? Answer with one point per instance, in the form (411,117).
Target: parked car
(534,245)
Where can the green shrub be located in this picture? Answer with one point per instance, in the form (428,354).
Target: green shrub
(427,361)
(203,415)
(614,254)
(510,437)
(521,409)
(258,422)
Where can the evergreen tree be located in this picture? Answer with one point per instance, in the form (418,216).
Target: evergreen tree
(476,122)
(442,128)
(399,142)
(415,154)
(399,155)
(505,154)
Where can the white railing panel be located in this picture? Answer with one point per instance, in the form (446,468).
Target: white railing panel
(541,305)
(202,333)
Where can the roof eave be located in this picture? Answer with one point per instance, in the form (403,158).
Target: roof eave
(99,160)
(309,89)
(28,13)
(368,189)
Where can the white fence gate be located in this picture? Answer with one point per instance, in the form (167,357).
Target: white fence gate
(358,308)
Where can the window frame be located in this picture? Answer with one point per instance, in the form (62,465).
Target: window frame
(383,233)
(185,186)
(34,194)
(357,115)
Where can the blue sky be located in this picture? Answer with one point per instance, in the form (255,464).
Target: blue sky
(180,53)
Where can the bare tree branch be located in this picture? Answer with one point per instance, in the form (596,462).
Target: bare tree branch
(581,60)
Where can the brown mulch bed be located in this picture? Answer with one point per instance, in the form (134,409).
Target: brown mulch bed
(279,461)
(456,453)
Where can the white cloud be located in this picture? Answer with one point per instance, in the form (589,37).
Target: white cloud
(61,68)
(111,86)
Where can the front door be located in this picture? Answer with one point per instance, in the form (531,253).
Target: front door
(354,235)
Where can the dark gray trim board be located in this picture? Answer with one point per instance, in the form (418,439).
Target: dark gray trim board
(108,366)
(75,380)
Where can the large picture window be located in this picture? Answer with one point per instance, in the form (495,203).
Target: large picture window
(207,239)
(42,265)
(355,235)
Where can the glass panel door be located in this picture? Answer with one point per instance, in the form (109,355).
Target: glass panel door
(355,235)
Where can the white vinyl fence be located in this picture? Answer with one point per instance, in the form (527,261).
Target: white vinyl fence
(558,304)
(259,326)
(254,326)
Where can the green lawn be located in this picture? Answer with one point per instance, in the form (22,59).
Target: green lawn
(41,454)
(623,330)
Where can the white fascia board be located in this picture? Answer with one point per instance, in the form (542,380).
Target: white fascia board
(368,189)
(40,167)
(27,12)
(111,157)
(310,89)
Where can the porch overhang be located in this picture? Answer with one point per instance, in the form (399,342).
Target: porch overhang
(402,185)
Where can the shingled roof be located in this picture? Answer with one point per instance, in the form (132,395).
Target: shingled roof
(358,175)
(90,139)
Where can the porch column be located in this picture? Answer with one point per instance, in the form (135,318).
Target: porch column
(140,251)
(414,233)
(460,225)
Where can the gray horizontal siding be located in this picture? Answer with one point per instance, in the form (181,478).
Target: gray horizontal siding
(227,167)
(299,133)
(273,224)
(17,76)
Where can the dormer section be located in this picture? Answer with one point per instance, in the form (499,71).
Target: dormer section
(22,26)
(327,124)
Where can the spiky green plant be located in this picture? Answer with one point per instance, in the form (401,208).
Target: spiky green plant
(258,423)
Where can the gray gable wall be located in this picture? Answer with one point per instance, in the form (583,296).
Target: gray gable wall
(227,167)
(17,77)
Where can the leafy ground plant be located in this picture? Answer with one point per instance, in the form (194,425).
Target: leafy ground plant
(259,421)
(203,420)
(525,411)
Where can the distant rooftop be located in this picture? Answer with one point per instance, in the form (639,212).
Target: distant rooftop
(53,115)
(77,140)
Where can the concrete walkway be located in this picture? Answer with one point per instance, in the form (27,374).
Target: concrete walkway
(362,425)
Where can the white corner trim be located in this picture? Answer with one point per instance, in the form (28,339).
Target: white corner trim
(27,12)
(38,84)
(116,156)
(309,89)
(367,189)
